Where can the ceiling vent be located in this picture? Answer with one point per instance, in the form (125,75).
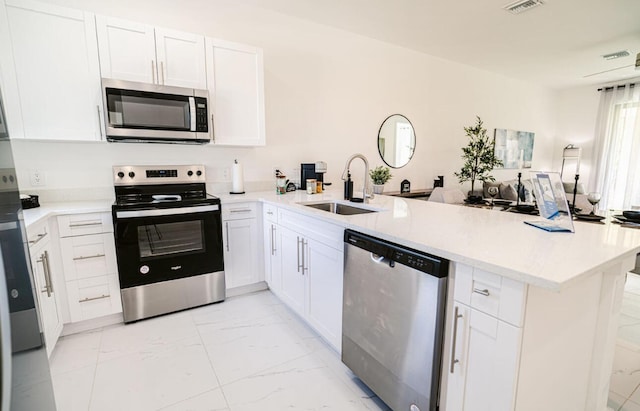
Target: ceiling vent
(616,55)
(521,6)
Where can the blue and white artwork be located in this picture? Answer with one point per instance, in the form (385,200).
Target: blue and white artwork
(514,148)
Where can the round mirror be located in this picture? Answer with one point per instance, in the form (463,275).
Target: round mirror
(396,141)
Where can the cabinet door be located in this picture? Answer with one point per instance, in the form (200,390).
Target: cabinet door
(88,256)
(293,273)
(46,294)
(488,350)
(240,252)
(56,69)
(324,297)
(181,59)
(127,50)
(273,258)
(94,297)
(236,89)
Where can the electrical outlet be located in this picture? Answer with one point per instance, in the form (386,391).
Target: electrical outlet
(37,178)
(225,173)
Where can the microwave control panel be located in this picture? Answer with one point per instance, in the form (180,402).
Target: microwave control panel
(202,120)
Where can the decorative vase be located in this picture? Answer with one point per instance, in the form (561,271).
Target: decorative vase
(378,188)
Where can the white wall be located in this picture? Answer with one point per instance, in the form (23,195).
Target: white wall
(327,92)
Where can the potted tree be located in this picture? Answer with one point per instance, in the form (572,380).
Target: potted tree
(479,158)
(379,176)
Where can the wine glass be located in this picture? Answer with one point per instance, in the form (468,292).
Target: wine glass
(493,191)
(593,198)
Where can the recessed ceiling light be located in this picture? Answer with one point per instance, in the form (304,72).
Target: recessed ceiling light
(616,55)
(522,5)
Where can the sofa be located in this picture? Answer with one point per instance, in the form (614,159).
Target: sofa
(507,190)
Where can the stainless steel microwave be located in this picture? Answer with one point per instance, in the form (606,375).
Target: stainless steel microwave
(141,112)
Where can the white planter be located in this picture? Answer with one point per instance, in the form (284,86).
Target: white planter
(378,188)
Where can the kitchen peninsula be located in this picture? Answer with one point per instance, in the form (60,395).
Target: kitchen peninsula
(542,339)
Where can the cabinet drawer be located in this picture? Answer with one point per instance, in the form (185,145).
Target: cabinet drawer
(490,293)
(270,213)
(88,256)
(94,297)
(327,233)
(37,232)
(237,211)
(81,224)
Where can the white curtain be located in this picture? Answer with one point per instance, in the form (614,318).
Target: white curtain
(616,153)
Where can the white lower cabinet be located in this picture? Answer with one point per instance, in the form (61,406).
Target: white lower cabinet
(88,255)
(242,265)
(43,264)
(307,270)
(272,250)
(483,368)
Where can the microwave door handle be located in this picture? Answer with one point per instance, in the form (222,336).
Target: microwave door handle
(153,72)
(192,110)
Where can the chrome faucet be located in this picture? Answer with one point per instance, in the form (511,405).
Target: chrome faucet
(367,191)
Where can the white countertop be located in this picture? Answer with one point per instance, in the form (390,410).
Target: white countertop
(492,240)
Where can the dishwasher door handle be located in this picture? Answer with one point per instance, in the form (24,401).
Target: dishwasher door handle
(376,258)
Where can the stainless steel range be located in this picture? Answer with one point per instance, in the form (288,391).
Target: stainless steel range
(168,235)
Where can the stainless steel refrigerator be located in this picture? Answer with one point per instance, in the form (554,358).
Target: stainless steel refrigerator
(25,382)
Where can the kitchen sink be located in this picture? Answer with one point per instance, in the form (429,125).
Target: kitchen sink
(339,208)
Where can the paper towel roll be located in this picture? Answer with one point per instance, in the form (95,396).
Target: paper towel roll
(237,185)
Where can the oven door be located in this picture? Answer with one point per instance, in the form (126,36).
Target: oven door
(157,245)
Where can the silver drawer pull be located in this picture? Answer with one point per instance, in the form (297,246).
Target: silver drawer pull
(240,210)
(454,360)
(484,292)
(84,300)
(85,223)
(270,212)
(87,257)
(38,238)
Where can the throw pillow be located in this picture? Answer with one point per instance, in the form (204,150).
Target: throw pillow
(485,188)
(508,192)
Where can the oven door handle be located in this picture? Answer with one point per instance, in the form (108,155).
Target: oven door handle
(166,211)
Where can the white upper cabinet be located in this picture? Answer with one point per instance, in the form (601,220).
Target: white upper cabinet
(139,52)
(235,76)
(56,71)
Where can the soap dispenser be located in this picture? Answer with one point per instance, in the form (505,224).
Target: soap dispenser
(348,187)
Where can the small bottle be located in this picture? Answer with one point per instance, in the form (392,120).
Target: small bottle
(318,186)
(348,187)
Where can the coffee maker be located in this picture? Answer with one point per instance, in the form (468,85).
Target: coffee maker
(312,171)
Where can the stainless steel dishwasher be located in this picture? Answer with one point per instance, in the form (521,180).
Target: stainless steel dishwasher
(393,320)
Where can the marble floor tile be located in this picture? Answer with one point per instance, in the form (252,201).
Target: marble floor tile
(212,400)
(149,380)
(302,384)
(74,352)
(630,406)
(626,371)
(241,350)
(154,334)
(73,389)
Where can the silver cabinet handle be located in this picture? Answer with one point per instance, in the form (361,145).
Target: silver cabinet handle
(38,238)
(227,226)
(484,292)
(273,239)
(298,251)
(153,72)
(99,121)
(304,244)
(88,257)
(44,259)
(241,210)
(161,76)
(84,300)
(270,212)
(454,361)
(85,223)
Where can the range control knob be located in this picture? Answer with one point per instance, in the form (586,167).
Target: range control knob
(120,174)
(132,174)
(189,173)
(198,173)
